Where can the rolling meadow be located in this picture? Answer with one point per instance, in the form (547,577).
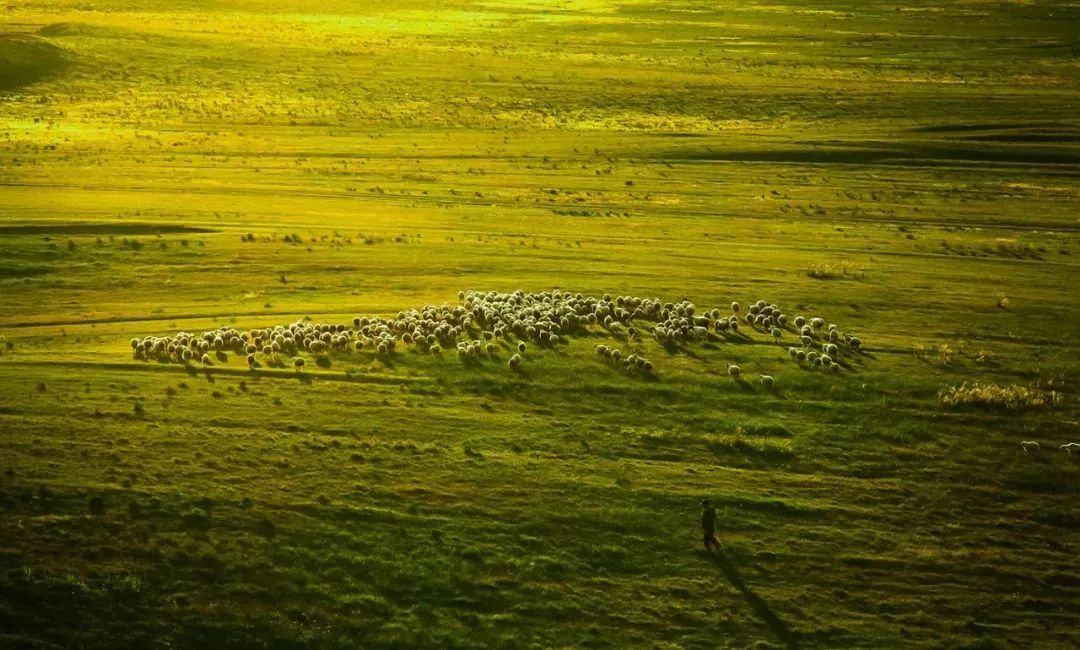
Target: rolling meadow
(910,173)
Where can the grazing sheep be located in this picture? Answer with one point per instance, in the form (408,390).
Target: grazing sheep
(734,371)
(855,343)
(835,367)
(206,360)
(1028,445)
(514,361)
(767,380)
(546,318)
(806,341)
(298,363)
(1069,446)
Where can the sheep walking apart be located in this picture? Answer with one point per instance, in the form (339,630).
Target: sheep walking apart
(1028,445)
(1069,446)
(767,381)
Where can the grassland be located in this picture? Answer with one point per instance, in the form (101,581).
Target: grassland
(911,173)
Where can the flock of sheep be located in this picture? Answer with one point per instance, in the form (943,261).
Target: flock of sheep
(483,320)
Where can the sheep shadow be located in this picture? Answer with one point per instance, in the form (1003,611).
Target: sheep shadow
(744,385)
(774,391)
(673,348)
(845,364)
(720,558)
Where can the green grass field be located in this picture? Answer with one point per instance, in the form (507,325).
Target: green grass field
(910,173)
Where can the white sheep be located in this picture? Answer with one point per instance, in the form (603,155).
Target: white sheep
(1028,445)
(734,371)
(1069,446)
(767,380)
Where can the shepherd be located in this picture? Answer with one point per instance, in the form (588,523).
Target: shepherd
(708,525)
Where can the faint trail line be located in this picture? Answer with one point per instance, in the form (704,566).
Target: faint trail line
(297,191)
(267,373)
(760,607)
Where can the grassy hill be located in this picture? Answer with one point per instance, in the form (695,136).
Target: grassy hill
(909,173)
(25,59)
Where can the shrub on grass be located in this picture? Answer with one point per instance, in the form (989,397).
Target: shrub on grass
(993,396)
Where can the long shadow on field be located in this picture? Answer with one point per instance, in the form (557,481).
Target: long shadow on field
(760,607)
